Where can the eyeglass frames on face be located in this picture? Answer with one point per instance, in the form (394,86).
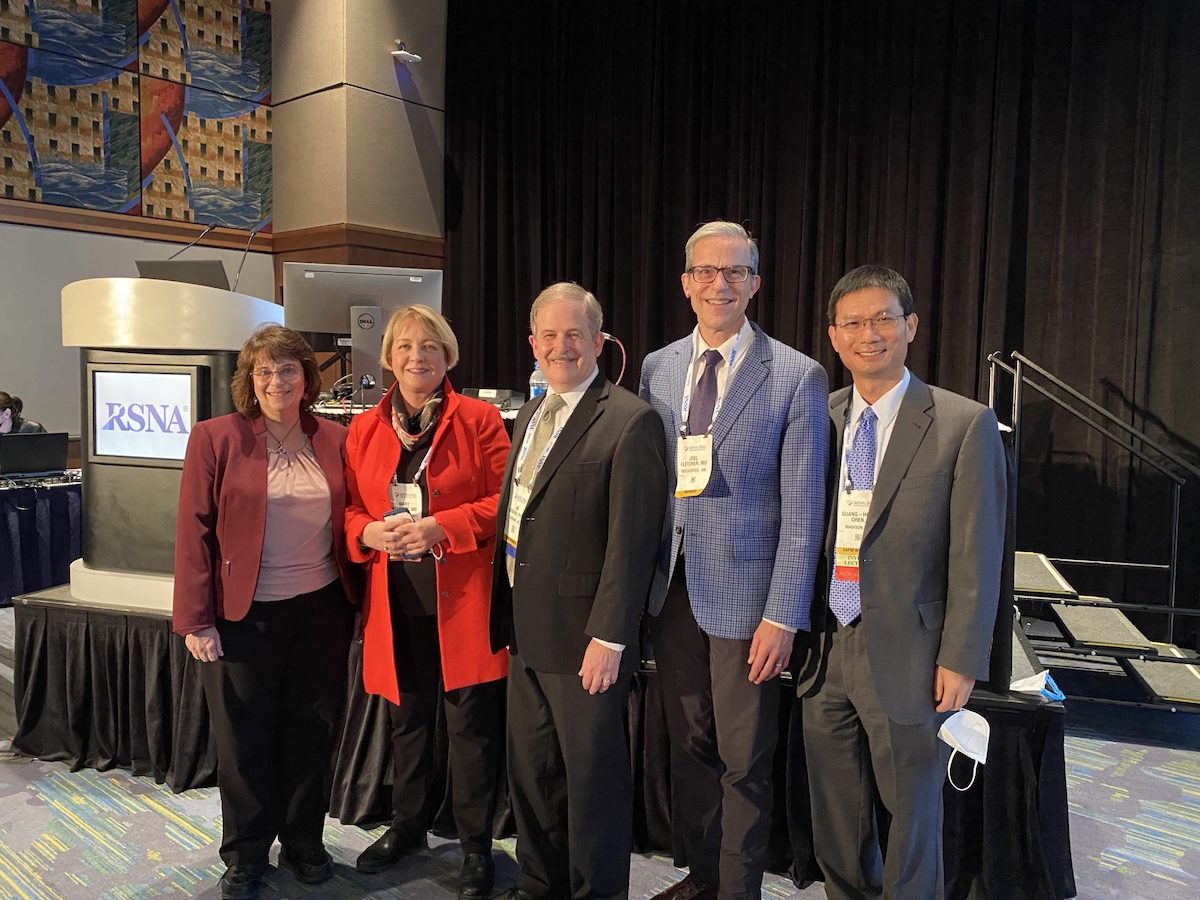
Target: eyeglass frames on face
(732,274)
(884,324)
(290,372)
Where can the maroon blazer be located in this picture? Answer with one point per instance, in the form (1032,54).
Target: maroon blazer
(223,511)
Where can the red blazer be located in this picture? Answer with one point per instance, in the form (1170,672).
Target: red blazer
(466,463)
(223,511)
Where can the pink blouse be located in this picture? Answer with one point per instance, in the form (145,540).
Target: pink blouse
(297,552)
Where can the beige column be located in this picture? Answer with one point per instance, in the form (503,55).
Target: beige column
(358,135)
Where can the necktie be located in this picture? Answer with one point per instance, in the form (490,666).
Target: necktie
(704,398)
(541,435)
(844,597)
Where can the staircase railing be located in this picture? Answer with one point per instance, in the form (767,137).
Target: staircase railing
(1025,372)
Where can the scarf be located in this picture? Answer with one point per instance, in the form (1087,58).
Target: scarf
(410,429)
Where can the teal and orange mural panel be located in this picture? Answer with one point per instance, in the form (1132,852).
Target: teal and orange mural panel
(157,108)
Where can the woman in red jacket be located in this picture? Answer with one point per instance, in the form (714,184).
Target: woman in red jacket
(440,457)
(261,589)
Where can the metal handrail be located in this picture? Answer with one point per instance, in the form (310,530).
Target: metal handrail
(1097,408)
(1114,563)
(997,361)
(1020,379)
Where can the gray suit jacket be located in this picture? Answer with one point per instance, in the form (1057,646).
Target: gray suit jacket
(931,552)
(589,536)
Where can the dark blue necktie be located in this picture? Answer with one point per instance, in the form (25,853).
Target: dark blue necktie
(704,398)
(844,597)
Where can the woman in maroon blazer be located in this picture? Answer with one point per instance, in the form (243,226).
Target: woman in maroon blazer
(428,599)
(261,590)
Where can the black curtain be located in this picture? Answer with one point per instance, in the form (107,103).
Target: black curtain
(1031,166)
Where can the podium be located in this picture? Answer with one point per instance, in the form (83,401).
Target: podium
(155,358)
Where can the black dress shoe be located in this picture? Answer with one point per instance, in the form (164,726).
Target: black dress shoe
(688,889)
(312,867)
(518,894)
(393,844)
(242,881)
(478,875)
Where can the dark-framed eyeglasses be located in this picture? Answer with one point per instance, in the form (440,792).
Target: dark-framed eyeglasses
(884,324)
(732,274)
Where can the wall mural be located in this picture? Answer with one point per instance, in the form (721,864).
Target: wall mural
(158,108)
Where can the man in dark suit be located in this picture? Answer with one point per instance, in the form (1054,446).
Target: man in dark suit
(913,548)
(744,418)
(581,511)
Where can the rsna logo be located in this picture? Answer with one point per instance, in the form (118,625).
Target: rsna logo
(162,418)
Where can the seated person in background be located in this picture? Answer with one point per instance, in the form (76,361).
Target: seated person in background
(10,417)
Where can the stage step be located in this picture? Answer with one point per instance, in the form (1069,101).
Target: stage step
(1168,682)
(1034,576)
(1098,627)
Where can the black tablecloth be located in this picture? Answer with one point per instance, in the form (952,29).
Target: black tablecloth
(40,537)
(99,689)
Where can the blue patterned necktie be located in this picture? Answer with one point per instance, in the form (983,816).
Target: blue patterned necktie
(704,399)
(844,597)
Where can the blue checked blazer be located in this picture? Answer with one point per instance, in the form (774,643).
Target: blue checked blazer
(752,540)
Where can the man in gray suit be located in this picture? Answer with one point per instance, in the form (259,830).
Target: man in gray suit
(913,548)
(747,444)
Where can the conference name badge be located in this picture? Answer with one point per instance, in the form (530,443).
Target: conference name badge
(693,465)
(407,495)
(512,526)
(853,507)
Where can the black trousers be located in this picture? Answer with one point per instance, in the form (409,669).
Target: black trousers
(570,784)
(723,731)
(275,702)
(474,727)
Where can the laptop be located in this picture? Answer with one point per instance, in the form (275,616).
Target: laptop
(24,455)
(210,272)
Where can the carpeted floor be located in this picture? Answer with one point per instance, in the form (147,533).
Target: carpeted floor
(110,835)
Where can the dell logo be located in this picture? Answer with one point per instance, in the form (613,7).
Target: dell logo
(145,417)
(366,321)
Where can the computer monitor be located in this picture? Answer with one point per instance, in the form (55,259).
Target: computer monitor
(142,414)
(317,296)
(210,272)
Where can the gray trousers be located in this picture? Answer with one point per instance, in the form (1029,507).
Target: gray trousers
(854,750)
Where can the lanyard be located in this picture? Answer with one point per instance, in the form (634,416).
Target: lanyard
(529,429)
(688,386)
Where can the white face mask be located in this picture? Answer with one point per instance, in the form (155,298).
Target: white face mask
(966,732)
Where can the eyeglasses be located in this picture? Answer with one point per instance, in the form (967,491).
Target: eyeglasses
(290,372)
(733,274)
(884,324)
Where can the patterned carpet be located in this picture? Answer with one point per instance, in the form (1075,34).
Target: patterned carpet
(117,837)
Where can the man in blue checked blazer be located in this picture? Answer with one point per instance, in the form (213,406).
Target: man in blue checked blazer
(747,444)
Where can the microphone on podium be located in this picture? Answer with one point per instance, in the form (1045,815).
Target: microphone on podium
(199,237)
(245,253)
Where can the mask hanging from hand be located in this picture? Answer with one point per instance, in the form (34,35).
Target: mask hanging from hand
(967,733)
